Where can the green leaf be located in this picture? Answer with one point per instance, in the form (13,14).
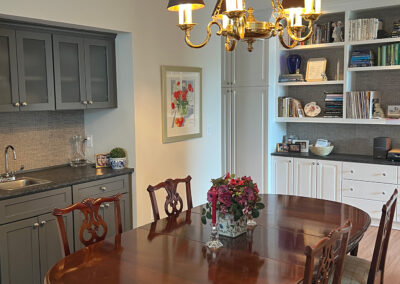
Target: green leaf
(260,206)
(207,205)
(203,220)
(255,213)
(208,215)
(203,211)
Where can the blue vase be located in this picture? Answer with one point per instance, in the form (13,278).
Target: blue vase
(294,63)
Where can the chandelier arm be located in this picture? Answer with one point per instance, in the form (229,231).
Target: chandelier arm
(282,41)
(230,45)
(187,35)
(296,38)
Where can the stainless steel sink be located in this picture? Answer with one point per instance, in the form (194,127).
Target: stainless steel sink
(22,183)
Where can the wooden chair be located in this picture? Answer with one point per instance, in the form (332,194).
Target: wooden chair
(92,221)
(361,271)
(329,253)
(173,199)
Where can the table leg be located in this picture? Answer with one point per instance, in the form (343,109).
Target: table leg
(354,251)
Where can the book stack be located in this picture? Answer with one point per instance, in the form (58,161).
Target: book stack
(291,78)
(389,55)
(363,29)
(333,105)
(361,105)
(290,107)
(362,58)
(396,29)
(323,33)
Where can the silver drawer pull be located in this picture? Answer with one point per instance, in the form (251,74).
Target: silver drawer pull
(103,188)
(36,225)
(43,223)
(24,104)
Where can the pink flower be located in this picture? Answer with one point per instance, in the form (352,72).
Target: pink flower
(190,88)
(172,105)
(178,83)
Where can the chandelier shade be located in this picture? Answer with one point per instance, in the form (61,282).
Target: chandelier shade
(173,5)
(287,4)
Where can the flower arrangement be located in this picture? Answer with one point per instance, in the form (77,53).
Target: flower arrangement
(236,196)
(180,101)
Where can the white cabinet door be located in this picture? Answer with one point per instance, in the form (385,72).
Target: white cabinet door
(304,182)
(282,175)
(249,112)
(226,66)
(329,177)
(251,68)
(226,129)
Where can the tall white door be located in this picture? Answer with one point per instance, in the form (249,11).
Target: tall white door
(329,177)
(282,175)
(226,129)
(304,183)
(249,132)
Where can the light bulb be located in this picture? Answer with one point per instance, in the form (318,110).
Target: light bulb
(317,6)
(185,14)
(225,21)
(308,5)
(234,5)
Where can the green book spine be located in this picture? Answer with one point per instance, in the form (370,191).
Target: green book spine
(392,54)
(384,60)
(397,54)
(379,56)
(388,54)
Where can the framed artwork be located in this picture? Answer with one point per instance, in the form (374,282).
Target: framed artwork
(304,145)
(102,160)
(316,68)
(295,147)
(181,103)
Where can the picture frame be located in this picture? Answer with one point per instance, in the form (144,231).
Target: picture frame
(102,160)
(181,103)
(295,147)
(304,145)
(316,68)
(282,147)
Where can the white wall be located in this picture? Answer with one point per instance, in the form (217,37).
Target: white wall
(151,40)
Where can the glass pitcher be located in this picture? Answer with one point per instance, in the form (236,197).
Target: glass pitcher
(78,151)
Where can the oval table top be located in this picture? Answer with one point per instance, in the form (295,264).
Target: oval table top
(172,250)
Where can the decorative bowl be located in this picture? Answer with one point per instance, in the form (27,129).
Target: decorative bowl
(117,163)
(321,151)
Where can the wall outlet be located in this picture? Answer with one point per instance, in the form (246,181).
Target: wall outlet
(89,141)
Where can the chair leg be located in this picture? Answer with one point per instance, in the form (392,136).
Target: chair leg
(354,252)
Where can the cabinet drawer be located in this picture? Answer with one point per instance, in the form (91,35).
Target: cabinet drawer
(367,190)
(101,188)
(35,204)
(369,172)
(372,207)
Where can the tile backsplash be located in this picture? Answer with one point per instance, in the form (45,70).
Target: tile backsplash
(41,139)
(347,138)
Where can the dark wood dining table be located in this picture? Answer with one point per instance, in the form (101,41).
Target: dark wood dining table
(172,250)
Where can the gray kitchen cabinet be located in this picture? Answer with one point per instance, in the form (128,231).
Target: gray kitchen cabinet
(109,216)
(100,73)
(9,98)
(35,70)
(69,72)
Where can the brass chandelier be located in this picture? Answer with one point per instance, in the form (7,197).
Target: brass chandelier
(236,23)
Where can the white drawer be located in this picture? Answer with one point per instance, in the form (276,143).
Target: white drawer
(370,172)
(372,207)
(367,190)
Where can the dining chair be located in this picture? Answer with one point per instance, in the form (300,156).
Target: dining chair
(173,200)
(92,222)
(326,259)
(362,271)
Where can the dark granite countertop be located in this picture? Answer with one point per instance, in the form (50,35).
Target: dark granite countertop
(62,176)
(339,157)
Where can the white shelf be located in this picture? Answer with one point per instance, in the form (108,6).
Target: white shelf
(316,46)
(374,68)
(340,82)
(375,41)
(338,120)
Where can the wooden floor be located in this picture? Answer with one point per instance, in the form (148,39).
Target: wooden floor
(392,271)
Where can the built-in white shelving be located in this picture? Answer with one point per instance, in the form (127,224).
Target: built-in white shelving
(334,82)
(318,46)
(338,120)
(374,68)
(375,41)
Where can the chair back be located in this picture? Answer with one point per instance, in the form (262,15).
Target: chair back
(173,203)
(382,239)
(92,222)
(326,258)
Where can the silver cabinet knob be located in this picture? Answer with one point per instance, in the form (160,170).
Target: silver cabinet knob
(351,189)
(24,104)
(43,223)
(317,164)
(352,172)
(103,188)
(36,225)
(313,164)
(383,193)
(90,102)
(85,102)
(384,174)
(290,162)
(107,205)
(17,104)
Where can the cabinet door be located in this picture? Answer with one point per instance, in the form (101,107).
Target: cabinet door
(249,112)
(100,73)
(282,175)
(50,243)
(227,68)
(226,130)
(251,68)
(329,178)
(305,172)
(69,72)
(109,215)
(35,71)
(19,252)
(9,98)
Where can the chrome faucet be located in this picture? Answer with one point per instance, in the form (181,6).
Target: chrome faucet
(7,175)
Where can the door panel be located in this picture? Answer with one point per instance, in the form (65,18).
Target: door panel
(329,178)
(226,66)
(19,252)
(282,175)
(8,72)
(35,71)
(304,183)
(226,130)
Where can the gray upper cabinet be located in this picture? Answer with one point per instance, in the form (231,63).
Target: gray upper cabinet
(35,70)
(69,72)
(100,73)
(9,99)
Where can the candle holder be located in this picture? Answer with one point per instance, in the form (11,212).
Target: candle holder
(250,221)
(214,242)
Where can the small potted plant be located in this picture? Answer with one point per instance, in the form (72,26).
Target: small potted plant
(118,158)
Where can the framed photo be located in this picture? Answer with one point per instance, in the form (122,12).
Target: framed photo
(304,145)
(295,148)
(316,68)
(102,160)
(181,103)
(282,147)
